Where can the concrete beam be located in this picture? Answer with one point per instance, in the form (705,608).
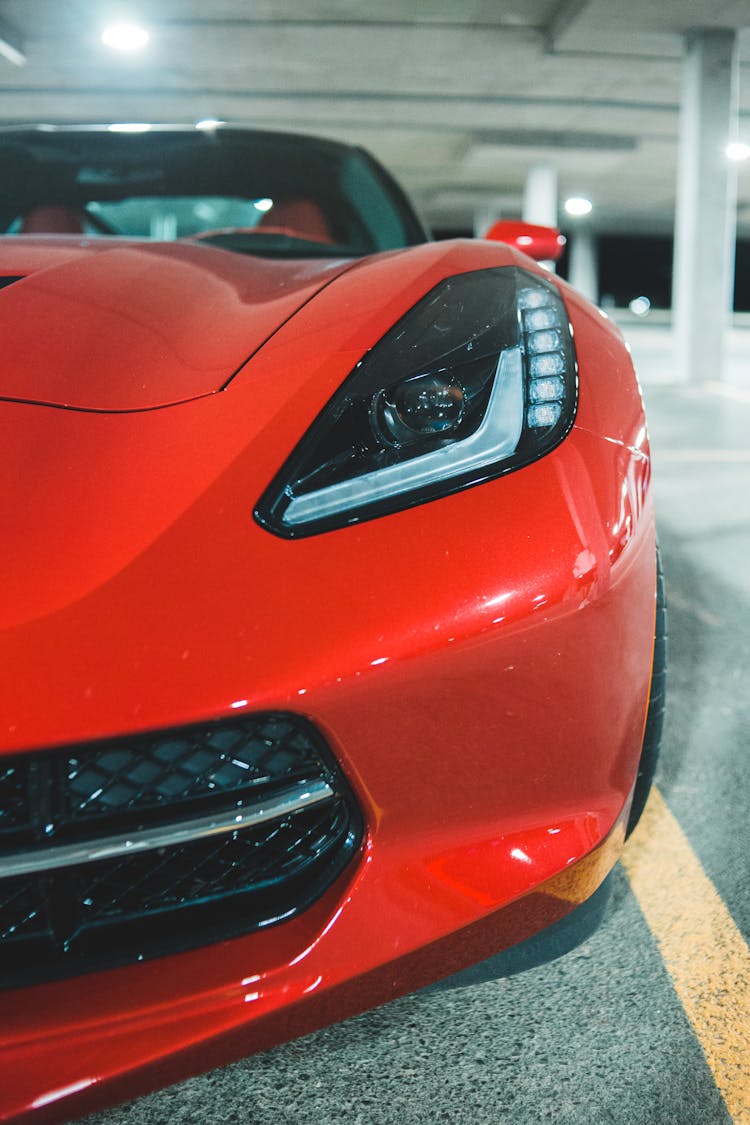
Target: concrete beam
(563,15)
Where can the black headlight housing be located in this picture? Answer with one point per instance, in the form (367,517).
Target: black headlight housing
(477,379)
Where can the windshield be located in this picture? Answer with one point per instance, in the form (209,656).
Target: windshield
(253,192)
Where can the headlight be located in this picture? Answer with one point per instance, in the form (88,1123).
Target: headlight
(477,379)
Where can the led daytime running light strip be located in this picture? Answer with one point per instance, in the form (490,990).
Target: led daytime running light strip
(543,346)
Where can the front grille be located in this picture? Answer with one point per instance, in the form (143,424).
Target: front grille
(14,809)
(138,847)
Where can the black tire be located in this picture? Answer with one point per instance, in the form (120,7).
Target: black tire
(656,702)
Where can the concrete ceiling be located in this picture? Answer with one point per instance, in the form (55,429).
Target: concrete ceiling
(456,97)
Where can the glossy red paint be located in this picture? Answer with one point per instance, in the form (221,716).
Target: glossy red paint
(496,642)
(538,242)
(154,324)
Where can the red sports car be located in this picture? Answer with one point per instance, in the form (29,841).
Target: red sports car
(330,607)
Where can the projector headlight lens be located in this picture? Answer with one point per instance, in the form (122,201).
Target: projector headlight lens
(418,408)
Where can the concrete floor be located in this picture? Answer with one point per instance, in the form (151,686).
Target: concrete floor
(599,1036)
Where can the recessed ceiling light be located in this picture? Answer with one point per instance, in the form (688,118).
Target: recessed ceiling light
(578,205)
(125,37)
(129,127)
(738,150)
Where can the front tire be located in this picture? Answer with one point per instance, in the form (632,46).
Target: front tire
(656,703)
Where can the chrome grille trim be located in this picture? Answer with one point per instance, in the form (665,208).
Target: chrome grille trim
(243,815)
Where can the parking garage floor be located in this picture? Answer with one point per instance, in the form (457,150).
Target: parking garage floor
(648,1022)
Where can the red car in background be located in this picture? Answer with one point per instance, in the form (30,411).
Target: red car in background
(330,607)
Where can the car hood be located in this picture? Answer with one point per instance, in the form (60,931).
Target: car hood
(121,326)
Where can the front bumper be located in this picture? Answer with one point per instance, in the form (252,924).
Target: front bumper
(133,1045)
(492,746)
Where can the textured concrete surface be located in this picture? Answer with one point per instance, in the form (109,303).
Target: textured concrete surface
(703,511)
(599,1036)
(655,352)
(707,958)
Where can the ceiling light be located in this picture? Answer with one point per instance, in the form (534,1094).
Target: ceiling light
(641,306)
(125,37)
(129,127)
(578,205)
(209,123)
(738,150)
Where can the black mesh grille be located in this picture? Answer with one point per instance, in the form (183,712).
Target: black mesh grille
(196,873)
(183,767)
(75,918)
(22,912)
(14,806)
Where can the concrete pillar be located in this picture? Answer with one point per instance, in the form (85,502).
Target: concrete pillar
(540,195)
(540,199)
(583,268)
(706,215)
(485,216)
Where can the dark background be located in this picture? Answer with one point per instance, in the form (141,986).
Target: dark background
(641,265)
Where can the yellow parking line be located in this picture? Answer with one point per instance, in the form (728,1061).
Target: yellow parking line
(704,952)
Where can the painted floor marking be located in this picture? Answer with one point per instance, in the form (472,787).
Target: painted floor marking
(705,456)
(703,950)
(727,390)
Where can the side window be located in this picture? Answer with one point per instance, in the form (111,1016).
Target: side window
(381,220)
